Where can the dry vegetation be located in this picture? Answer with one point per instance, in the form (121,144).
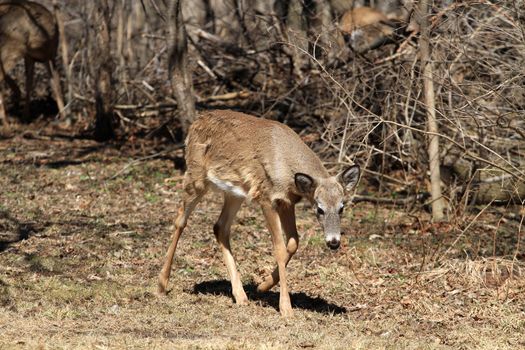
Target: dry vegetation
(84,225)
(84,275)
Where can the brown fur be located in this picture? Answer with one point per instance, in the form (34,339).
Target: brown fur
(29,31)
(266,175)
(265,161)
(368,28)
(361,17)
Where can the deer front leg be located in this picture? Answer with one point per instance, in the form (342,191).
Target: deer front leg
(30,71)
(3,116)
(281,255)
(55,86)
(287,219)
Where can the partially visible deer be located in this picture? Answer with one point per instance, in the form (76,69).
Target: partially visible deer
(368,28)
(27,31)
(254,159)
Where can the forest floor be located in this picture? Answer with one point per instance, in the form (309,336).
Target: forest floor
(84,229)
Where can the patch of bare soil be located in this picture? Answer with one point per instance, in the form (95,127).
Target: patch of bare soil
(84,230)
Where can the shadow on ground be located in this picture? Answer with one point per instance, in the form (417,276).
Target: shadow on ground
(299,300)
(12,230)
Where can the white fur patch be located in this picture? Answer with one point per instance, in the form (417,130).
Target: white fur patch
(227,186)
(357,34)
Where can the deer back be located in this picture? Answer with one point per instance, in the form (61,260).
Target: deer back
(248,156)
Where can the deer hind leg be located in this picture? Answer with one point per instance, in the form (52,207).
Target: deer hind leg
(281,255)
(222,232)
(30,71)
(55,86)
(3,116)
(287,219)
(191,198)
(12,85)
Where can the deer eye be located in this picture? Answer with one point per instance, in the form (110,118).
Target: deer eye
(320,211)
(341,210)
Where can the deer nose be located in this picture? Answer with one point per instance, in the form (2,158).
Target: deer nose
(333,243)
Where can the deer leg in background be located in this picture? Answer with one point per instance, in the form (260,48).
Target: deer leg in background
(30,71)
(3,117)
(55,86)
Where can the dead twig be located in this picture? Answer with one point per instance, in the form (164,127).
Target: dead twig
(394,201)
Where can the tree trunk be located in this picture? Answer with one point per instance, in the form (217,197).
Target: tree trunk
(65,60)
(293,29)
(432,126)
(103,66)
(180,74)
(240,14)
(304,25)
(318,21)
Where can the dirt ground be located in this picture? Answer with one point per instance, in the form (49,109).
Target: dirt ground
(84,228)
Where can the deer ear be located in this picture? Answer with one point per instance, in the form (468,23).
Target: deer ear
(348,178)
(305,183)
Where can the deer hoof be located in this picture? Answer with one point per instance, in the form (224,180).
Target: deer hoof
(161,288)
(265,286)
(286,312)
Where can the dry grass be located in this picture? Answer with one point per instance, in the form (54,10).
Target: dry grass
(86,274)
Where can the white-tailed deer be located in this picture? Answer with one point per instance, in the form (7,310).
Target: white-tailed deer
(249,158)
(367,28)
(27,31)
